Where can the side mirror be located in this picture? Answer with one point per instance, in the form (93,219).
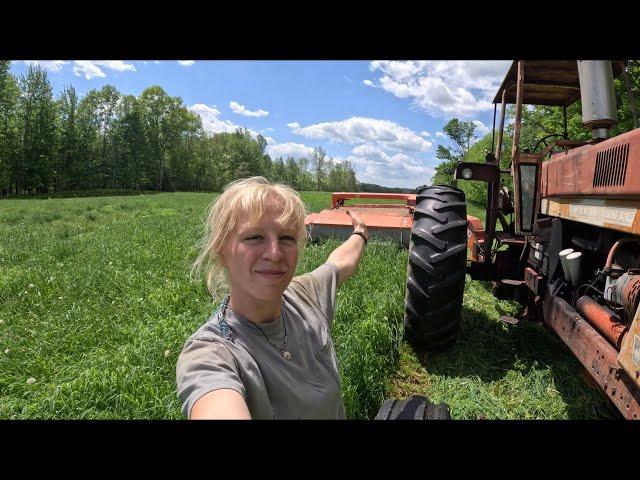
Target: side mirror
(484,172)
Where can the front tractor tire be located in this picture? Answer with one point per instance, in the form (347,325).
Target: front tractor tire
(437,268)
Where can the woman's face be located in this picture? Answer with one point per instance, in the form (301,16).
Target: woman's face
(261,258)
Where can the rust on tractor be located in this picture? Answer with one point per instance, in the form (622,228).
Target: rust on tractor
(476,236)
(629,356)
(604,169)
(596,355)
(546,82)
(533,280)
(603,319)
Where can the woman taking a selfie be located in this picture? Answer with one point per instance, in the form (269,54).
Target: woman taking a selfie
(267,351)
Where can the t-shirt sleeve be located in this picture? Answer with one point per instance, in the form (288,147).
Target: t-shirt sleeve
(320,287)
(204,365)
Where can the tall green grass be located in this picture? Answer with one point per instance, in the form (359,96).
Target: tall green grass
(96,301)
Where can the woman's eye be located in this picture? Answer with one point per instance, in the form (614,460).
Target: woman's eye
(253,237)
(289,239)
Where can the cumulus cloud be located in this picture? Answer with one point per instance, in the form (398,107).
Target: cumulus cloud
(356,130)
(293,125)
(210,121)
(424,133)
(369,83)
(50,65)
(481,128)
(186,63)
(93,69)
(440,135)
(242,110)
(295,150)
(443,88)
(398,170)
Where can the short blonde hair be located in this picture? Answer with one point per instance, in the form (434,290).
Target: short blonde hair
(248,197)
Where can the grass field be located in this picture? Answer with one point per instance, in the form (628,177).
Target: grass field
(96,302)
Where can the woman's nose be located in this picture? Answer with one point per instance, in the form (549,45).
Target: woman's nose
(273,250)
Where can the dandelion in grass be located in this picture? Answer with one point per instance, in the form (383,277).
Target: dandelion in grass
(31,285)
(167,353)
(6,352)
(1,321)
(31,381)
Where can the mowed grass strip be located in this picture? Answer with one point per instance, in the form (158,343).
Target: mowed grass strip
(96,301)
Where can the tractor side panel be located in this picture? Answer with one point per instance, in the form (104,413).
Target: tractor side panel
(607,169)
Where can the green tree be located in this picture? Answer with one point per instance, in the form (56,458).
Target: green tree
(37,132)
(319,166)
(68,144)
(9,160)
(462,135)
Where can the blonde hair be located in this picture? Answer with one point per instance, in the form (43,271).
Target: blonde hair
(248,197)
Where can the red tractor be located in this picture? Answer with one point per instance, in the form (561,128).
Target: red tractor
(571,254)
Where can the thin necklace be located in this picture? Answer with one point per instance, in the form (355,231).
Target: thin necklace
(285,353)
(227,334)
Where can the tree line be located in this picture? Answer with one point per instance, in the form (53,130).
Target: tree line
(109,140)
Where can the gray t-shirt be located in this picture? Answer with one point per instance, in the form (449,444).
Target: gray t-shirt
(305,386)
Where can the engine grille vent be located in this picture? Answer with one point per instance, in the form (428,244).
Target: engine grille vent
(611,166)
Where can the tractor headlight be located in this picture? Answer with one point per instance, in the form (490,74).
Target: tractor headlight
(466,173)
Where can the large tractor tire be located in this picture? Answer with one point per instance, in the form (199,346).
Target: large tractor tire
(437,268)
(416,407)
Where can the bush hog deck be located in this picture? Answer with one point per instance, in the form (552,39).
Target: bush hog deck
(385,221)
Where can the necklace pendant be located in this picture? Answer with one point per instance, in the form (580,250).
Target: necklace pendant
(286,355)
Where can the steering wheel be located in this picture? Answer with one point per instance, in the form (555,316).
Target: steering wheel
(544,141)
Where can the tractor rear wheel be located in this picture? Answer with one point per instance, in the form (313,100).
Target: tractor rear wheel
(437,268)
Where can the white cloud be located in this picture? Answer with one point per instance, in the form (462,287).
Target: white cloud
(210,121)
(212,124)
(50,65)
(88,69)
(443,88)
(347,78)
(440,135)
(186,63)
(293,125)
(424,133)
(481,128)
(357,130)
(396,171)
(368,83)
(295,150)
(242,110)
(117,65)
(91,69)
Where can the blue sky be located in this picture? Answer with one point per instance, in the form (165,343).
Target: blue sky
(385,117)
